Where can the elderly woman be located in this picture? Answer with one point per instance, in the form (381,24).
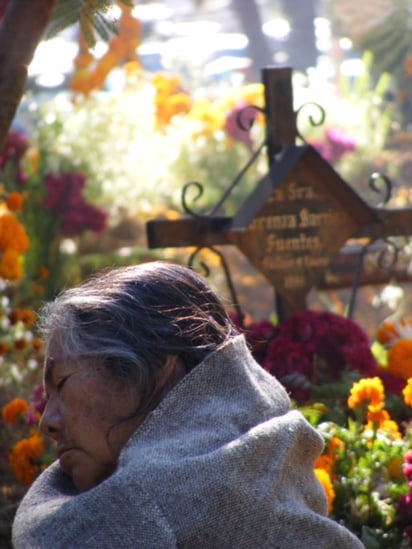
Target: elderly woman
(168,433)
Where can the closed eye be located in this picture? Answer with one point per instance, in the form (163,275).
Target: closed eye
(61,383)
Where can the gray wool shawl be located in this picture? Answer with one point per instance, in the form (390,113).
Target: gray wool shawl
(221,463)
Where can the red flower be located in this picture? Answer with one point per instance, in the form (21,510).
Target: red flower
(307,336)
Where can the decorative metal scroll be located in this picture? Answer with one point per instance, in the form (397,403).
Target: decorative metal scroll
(226,272)
(388,256)
(240,120)
(314,122)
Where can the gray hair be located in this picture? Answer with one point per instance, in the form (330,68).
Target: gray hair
(132,318)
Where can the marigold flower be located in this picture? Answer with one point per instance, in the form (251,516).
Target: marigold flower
(324,462)
(37,345)
(335,446)
(10,265)
(20,344)
(407,393)
(377,414)
(324,478)
(386,332)
(24,458)
(400,359)
(14,201)
(14,410)
(3,348)
(12,234)
(27,316)
(394,468)
(369,390)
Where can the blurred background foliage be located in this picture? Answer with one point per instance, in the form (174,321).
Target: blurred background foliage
(114,123)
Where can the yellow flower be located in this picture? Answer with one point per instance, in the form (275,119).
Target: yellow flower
(205,112)
(324,478)
(367,390)
(24,458)
(394,468)
(14,410)
(400,359)
(407,393)
(253,94)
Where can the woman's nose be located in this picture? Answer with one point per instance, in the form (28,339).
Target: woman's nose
(51,422)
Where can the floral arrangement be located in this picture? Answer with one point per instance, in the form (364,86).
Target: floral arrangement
(365,468)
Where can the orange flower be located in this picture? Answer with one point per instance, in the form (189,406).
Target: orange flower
(400,359)
(20,344)
(37,345)
(27,316)
(324,462)
(15,201)
(367,390)
(377,414)
(395,468)
(24,458)
(43,273)
(14,410)
(386,332)
(407,393)
(335,446)
(324,478)
(389,332)
(407,65)
(12,234)
(3,348)
(10,265)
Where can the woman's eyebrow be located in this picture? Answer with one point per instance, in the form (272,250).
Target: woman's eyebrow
(48,370)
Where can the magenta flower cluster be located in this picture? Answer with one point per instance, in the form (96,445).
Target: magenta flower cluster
(64,196)
(404,508)
(13,151)
(336,145)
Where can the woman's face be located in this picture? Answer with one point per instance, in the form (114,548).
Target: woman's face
(84,412)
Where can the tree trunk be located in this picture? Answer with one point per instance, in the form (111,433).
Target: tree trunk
(248,13)
(21,30)
(301,46)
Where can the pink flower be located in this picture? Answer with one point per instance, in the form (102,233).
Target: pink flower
(232,127)
(336,145)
